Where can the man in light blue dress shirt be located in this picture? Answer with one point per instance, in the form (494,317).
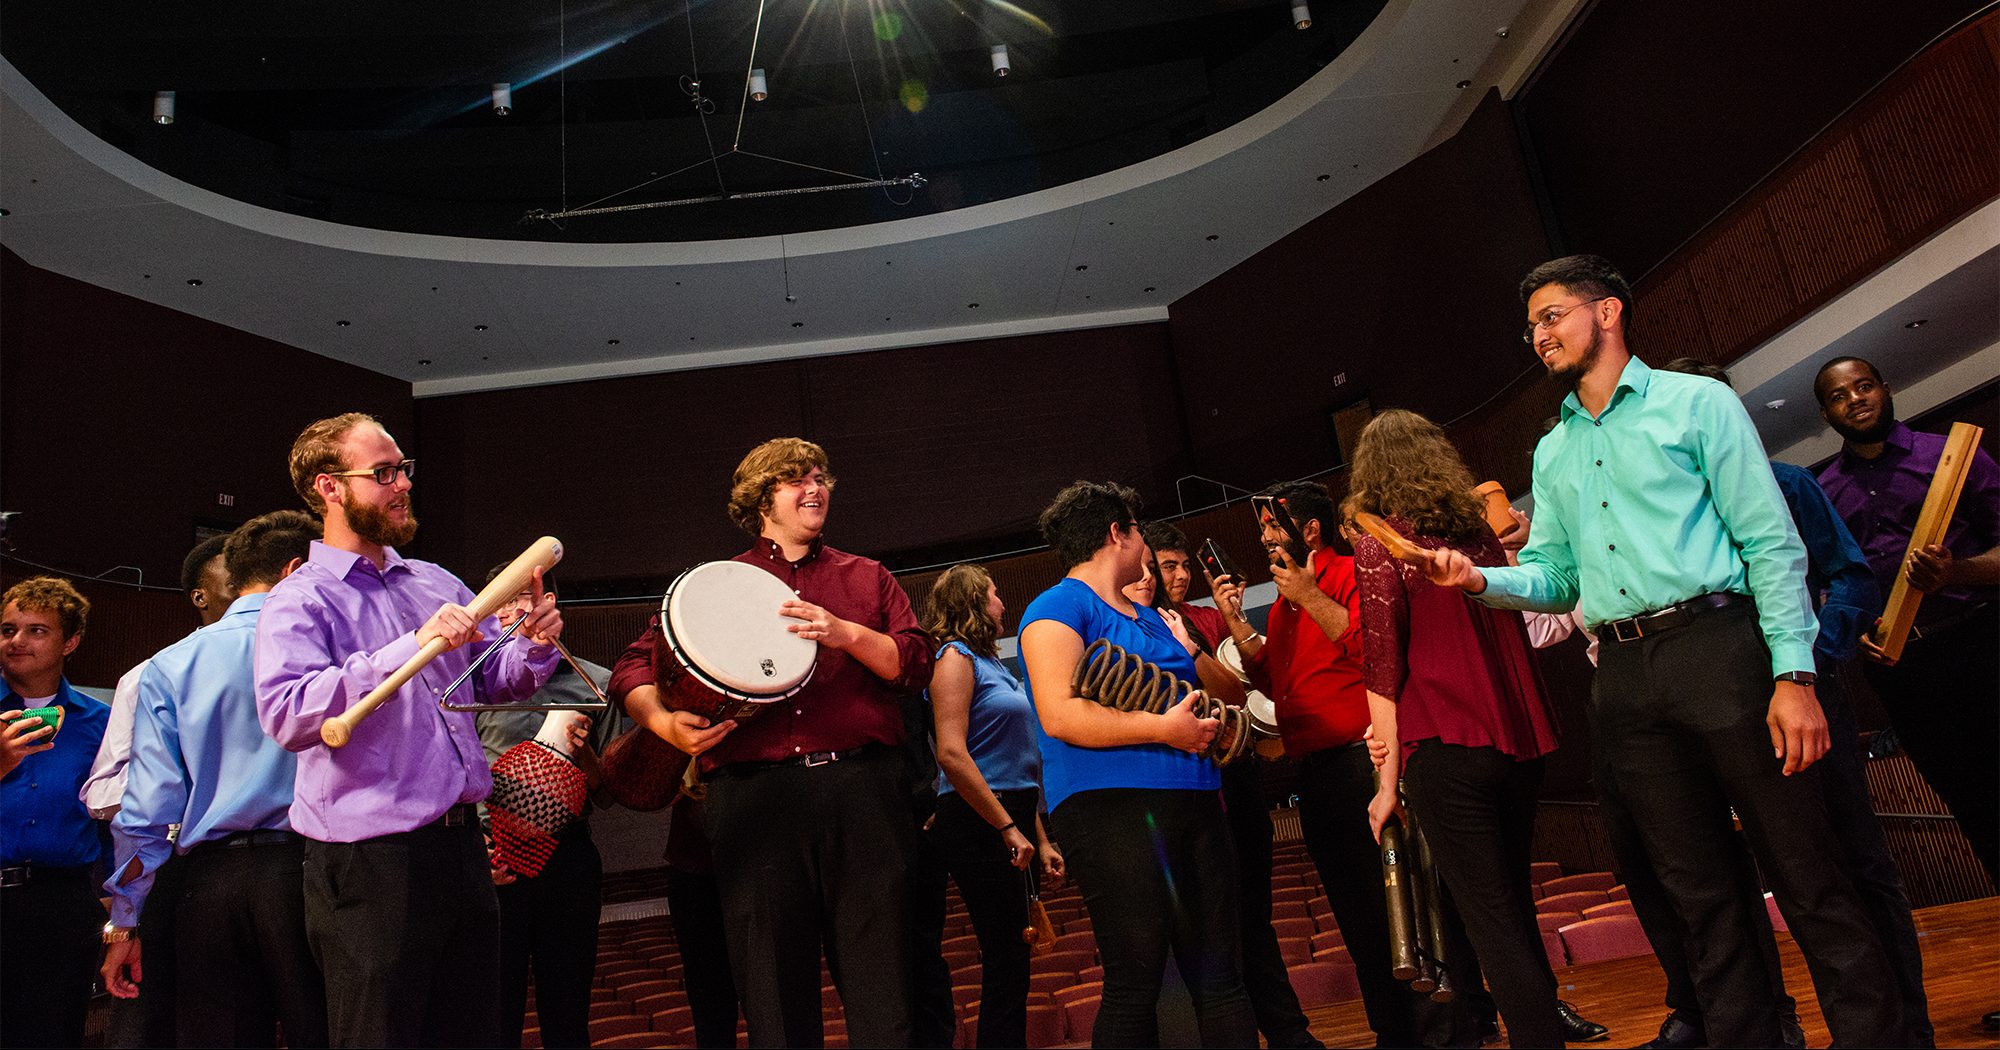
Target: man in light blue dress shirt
(1660,519)
(200,761)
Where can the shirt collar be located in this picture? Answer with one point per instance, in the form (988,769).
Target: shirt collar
(1898,438)
(246,604)
(1635,377)
(342,562)
(65,696)
(770,548)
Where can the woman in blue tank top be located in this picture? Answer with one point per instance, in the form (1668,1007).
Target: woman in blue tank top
(989,791)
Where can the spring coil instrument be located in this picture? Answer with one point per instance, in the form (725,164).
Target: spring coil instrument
(1117,679)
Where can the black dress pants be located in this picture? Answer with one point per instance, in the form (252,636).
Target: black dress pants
(49,949)
(1865,859)
(703,938)
(1335,785)
(1944,698)
(241,951)
(1679,730)
(816,856)
(996,896)
(1265,977)
(1157,876)
(406,928)
(933,1016)
(548,927)
(1477,809)
(149,1019)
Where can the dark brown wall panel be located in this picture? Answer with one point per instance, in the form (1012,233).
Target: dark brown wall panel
(1408,289)
(930,444)
(123,421)
(1653,117)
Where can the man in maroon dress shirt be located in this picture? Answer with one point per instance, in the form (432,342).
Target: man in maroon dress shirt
(805,803)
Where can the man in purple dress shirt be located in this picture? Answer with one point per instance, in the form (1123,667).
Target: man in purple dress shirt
(1942,694)
(400,907)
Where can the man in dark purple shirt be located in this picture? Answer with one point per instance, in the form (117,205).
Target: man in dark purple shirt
(1942,693)
(805,805)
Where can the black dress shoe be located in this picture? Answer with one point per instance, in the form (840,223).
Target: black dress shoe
(1791,1032)
(1991,1021)
(1575,1028)
(1677,1033)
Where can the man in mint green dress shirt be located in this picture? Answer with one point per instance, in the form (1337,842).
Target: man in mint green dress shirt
(1658,517)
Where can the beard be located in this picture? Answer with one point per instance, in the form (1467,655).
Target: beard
(1885,421)
(374,524)
(1584,361)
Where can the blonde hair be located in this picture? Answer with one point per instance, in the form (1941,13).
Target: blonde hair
(51,594)
(316,451)
(774,461)
(1406,467)
(955,610)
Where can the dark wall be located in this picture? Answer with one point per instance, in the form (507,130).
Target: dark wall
(932,446)
(122,423)
(1408,289)
(1654,116)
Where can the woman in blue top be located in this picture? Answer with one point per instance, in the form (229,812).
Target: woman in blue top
(989,791)
(1135,806)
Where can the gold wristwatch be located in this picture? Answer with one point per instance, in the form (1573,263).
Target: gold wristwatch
(118,934)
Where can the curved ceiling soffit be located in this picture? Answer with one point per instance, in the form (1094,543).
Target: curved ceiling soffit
(319,233)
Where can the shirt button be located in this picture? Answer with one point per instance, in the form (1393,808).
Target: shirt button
(1604,503)
(1621,590)
(1611,546)
(1600,462)
(798,710)
(795,747)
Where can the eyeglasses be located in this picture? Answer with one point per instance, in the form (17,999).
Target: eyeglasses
(382,475)
(1554,314)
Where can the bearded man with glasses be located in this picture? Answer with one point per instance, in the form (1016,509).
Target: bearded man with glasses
(400,907)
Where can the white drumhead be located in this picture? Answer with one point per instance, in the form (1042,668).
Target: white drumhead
(722,620)
(1263,713)
(1227,656)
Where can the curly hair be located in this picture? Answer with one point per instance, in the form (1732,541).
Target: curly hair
(774,461)
(51,594)
(316,451)
(955,610)
(1405,467)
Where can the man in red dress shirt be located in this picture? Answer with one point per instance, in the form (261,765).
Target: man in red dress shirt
(1310,667)
(805,803)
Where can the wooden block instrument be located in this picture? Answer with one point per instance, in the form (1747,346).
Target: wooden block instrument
(543,554)
(1932,522)
(1400,548)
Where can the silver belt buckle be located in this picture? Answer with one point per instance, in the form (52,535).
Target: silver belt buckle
(1618,630)
(17,876)
(814,759)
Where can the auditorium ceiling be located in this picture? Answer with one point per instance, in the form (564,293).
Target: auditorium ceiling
(338,178)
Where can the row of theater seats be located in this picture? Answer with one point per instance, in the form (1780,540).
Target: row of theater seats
(639,1002)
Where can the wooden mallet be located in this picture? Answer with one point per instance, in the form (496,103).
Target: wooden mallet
(543,554)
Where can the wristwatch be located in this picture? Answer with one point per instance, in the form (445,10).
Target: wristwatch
(1804,678)
(118,934)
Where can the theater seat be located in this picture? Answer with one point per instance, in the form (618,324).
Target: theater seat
(1623,907)
(1589,880)
(1323,983)
(632,1040)
(1576,901)
(1078,1016)
(1611,937)
(1045,1024)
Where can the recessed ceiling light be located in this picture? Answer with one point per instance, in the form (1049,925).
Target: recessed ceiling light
(194,282)
(972,306)
(1080,267)
(1323,178)
(1463,84)
(1149,288)
(1918,323)
(4,213)
(798,324)
(479,328)
(1214,236)
(423,360)
(340,324)
(611,342)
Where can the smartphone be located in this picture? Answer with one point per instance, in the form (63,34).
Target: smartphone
(1295,540)
(50,716)
(1213,560)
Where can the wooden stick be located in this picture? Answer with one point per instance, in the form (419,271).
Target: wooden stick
(1399,548)
(543,554)
(1933,521)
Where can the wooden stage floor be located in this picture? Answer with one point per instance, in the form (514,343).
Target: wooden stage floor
(1961,946)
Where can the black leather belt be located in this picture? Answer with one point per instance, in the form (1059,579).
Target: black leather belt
(809,760)
(261,837)
(457,816)
(1680,614)
(1951,622)
(16,875)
